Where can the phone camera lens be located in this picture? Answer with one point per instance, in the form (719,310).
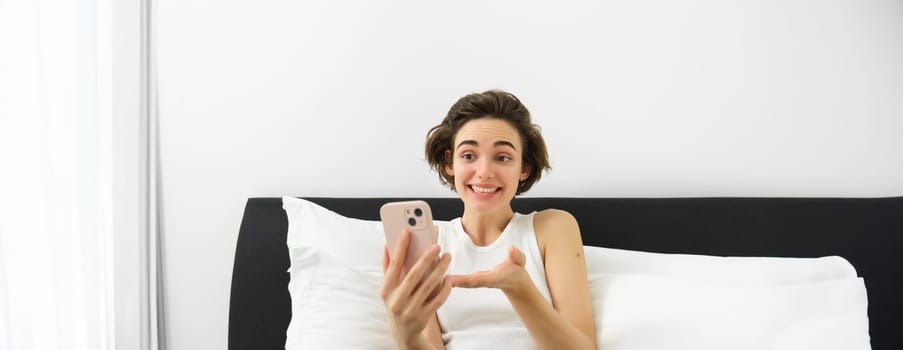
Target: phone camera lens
(412,222)
(418,212)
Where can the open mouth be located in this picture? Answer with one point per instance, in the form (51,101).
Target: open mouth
(483,189)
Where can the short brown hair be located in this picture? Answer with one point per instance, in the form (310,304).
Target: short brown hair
(488,104)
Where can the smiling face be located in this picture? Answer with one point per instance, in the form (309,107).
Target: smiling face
(487,164)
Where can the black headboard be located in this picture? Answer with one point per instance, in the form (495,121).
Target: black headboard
(866,231)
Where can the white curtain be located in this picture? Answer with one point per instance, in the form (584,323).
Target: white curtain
(56,240)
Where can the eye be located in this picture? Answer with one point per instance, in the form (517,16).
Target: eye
(467,156)
(503,158)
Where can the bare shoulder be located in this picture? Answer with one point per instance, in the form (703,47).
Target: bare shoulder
(554,217)
(556,228)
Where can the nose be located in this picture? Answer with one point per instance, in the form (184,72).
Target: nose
(484,169)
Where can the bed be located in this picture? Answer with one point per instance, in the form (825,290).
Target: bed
(868,232)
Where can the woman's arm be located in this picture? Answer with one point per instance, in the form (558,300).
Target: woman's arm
(568,322)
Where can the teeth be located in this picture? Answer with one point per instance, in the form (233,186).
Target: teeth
(483,190)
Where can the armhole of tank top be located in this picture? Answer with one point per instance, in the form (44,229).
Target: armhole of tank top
(534,243)
(442,235)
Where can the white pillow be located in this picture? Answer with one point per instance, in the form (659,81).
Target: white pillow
(734,270)
(334,277)
(353,242)
(640,312)
(335,306)
(336,267)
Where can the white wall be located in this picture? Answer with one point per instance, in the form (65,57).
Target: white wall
(636,99)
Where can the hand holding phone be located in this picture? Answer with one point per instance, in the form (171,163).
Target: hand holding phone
(412,299)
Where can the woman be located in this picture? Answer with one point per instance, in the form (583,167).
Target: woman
(519,280)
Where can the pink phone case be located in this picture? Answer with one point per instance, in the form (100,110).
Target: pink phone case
(397,216)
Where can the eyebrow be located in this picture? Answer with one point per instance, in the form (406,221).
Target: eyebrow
(497,144)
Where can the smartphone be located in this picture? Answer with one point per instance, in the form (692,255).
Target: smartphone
(415,216)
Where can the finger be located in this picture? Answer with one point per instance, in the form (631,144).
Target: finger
(441,271)
(387,284)
(441,282)
(440,298)
(462,281)
(474,280)
(431,281)
(385,258)
(412,279)
(516,256)
(396,262)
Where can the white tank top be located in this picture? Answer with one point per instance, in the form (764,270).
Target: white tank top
(483,318)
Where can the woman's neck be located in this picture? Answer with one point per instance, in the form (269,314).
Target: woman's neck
(485,228)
